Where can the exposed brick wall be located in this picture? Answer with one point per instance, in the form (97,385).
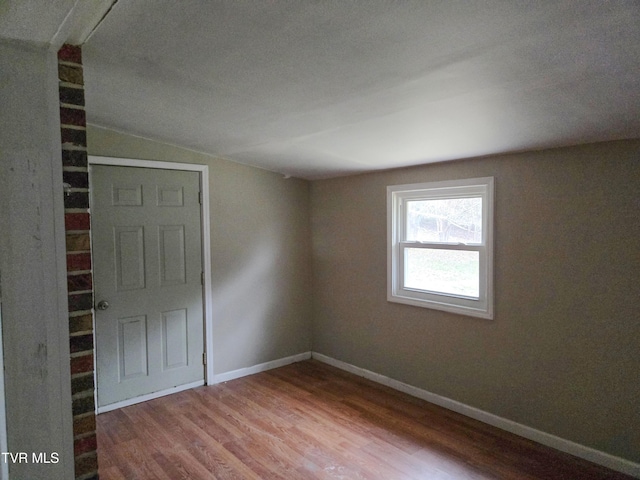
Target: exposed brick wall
(79,278)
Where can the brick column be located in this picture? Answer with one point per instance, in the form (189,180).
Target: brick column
(79,279)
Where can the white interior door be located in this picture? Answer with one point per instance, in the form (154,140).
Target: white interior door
(147,266)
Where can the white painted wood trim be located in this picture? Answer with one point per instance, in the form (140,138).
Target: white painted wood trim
(206,237)
(206,260)
(134,162)
(567,446)
(397,198)
(262,367)
(223,377)
(149,396)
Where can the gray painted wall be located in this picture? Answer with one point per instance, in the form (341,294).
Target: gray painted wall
(561,354)
(260,246)
(35,330)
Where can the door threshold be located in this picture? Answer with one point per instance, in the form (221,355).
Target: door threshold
(149,396)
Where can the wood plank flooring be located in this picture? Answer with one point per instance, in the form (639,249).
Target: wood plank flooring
(311,421)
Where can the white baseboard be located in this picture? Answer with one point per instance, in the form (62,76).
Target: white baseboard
(596,456)
(567,446)
(263,367)
(149,396)
(223,377)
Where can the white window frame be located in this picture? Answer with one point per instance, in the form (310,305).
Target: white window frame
(397,196)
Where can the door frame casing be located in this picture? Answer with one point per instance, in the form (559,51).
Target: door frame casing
(206,238)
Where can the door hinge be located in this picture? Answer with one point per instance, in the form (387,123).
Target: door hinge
(204,358)
(201,278)
(200,197)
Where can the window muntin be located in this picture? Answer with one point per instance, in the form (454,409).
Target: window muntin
(441,245)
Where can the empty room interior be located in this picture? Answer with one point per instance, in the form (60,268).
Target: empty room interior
(320,239)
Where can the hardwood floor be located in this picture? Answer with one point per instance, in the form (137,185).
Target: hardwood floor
(311,421)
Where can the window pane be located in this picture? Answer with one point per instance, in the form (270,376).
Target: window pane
(456,220)
(453,272)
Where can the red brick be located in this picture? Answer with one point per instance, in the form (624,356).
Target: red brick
(78,262)
(80,301)
(73,116)
(76,179)
(78,242)
(77,221)
(82,383)
(73,137)
(74,158)
(82,364)
(84,404)
(69,74)
(85,445)
(81,343)
(76,200)
(79,283)
(82,323)
(70,53)
(86,464)
(72,96)
(84,424)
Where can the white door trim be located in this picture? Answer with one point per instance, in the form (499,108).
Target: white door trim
(206,237)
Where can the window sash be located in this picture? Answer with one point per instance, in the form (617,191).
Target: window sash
(407,197)
(482,258)
(481,306)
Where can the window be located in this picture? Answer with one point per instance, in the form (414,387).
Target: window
(440,245)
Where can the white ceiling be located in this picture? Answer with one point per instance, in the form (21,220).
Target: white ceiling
(319,88)
(51,22)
